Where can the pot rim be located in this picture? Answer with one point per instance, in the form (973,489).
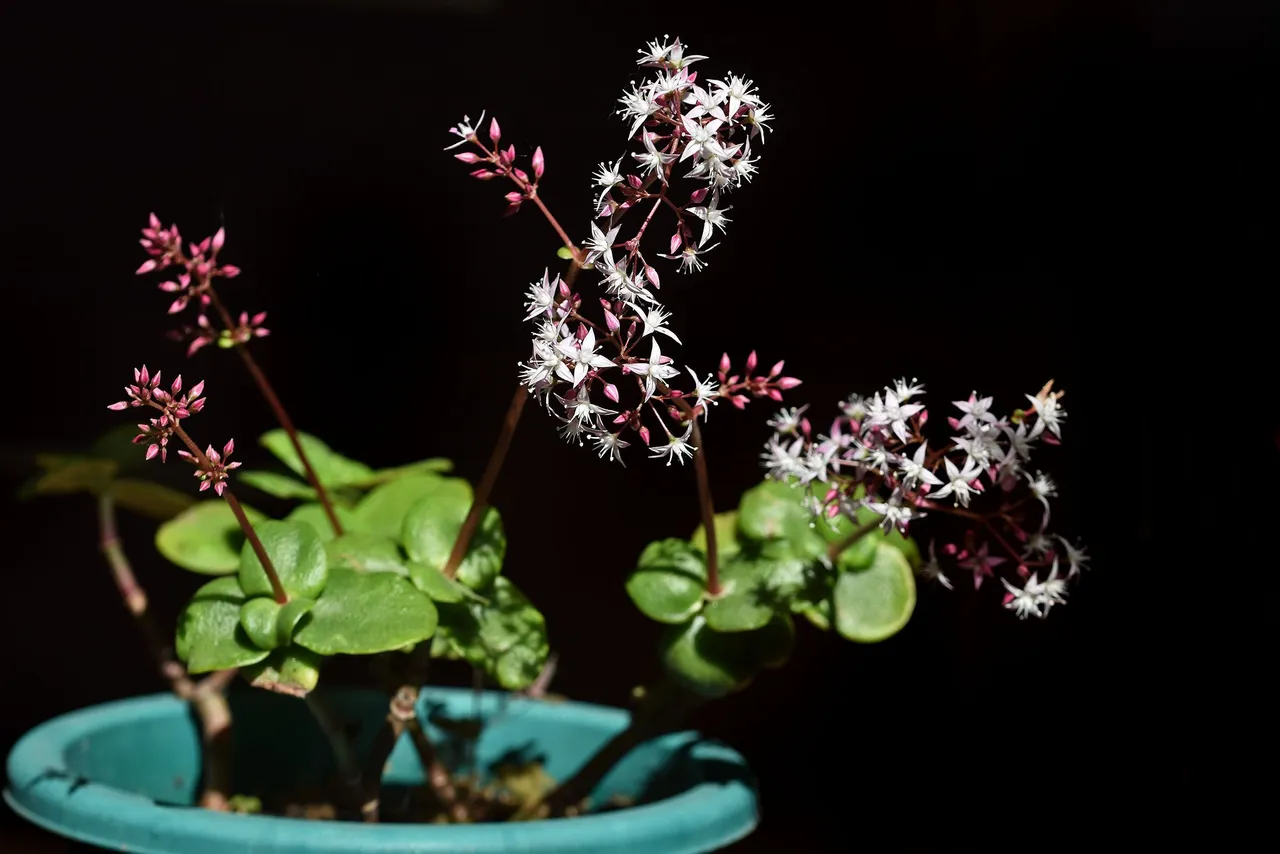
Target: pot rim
(43,790)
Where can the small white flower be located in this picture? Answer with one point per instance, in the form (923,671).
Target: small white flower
(1076,557)
(653,160)
(1025,601)
(977,411)
(654,320)
(981,447)
(788,420)
(677,447)
(600,246)
(465,130)
(702,139)
(584,358)
(654,370)
(582,409)
(738,90)
(780,460)
(607,177)
(611,444)
(1054,590)
(758,118)
(855,408)
(895,513)
(1038,545)
(1019,441)
(639,105)
(913,470)
(541,296)
(905,391)
(712,217)
(705,392)
(932,569)
(543,366)
(891,412)
(1049,414)
(958,481)
(689,259)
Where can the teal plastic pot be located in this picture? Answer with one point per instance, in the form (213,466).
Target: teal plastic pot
(123,776)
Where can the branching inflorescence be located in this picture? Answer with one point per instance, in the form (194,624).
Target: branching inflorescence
(876,456)
(580,365)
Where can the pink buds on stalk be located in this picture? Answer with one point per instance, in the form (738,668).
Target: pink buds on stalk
(172,405)
(212,469)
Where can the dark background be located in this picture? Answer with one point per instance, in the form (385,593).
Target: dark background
(983,196)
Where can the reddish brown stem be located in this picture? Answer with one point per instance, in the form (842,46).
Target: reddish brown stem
(277,589)
(834,550)
(206,696)
(707,507)
(481,501)
(405,707)
(282,416)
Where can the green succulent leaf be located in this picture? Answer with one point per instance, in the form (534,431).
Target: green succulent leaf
(117,445)
(774,510)
(331,468)
(727,545)
(209,635)
(67,475)
(366,553)
(271,625)
(279,485)
(294,670)
(383,509)
(747,600)
(362,613)
(772,645)
(707,662)
(875,603)
(432,582)
(564,254)
(506,636)
(315,517)
(669,581)
(205,538)
(435,465)
(894,538)
(296,553)
(431,527)
(150,499)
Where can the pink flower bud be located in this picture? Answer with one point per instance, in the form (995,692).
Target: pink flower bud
(169,287)
(515,197)
(805,427)
(697,196)
(228,448)
(631,330)
(230,271)
(751,362)
(512,208)
(219,238)
(581,333)
(674,413)
(152,450)
(509,156)
(611,321)
(923,416)
(611,392)
(538,164)
(725,365)
(154,221)
(644,434)
(495,132)
(122,405)
(565,293)
(624,416)
(521,174)
(774,394)
(197,389)
(484,175)
(740,401)
(178,305)
(468,157)
(1008,597)
(652,275)
(635,182)
(785,383)
(147,266)
(675,243)
(954,422)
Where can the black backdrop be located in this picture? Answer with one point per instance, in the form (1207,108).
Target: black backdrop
(983,197)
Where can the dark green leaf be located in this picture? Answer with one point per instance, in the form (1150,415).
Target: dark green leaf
(383,509)
(432,582)
(366,553)
(314,516)
(362,613)
(72,475)
(747,601)
(150,499)
(669,581)
(431,527)
(297,555)
(875,603)
(506,636)
(274,483)
(209,635)
(727,544)
(332,468)
(293,670)
(205,538)
(269,624)
(706,662)
(771,646)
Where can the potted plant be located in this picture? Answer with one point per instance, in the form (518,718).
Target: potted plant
(402,566)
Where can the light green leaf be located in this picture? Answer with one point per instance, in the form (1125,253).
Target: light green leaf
(269,624)
(774,511)
(209,635)
(366,553)
(431,527)
(432,582)
(297,555)
(205,538)
(746,601)
(727,544)
(875,603)
(279,485)
(704,661)
(383,509)
(313,516)
(669,581)
(293,670)
(362,613)
(150,499)
(332,468)
(75,474)
(435,465)
(564,254)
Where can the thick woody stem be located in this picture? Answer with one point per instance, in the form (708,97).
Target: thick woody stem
(277,589)
(405,707)
(282,415)
(206,697)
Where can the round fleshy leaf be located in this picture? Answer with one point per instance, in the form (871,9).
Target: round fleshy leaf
(297,555)
(431,527)
(314,516)
(774,511)
(331,468)
(383,509)
(209,635)
(293,670)
(205,538)
(150,499)
(366,553)
(669,581)
(435,465)
(875,603)
(362,613)
(516,668)
(68,475)
(269,624)
(432,582)
(746,601)
(817,613)
(704,661)
(279,485)
(772,645)
(505,636)
(859,555)
(727,545)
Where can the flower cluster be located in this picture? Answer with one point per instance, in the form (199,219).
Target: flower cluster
(498,162)
(172,404)
(194,284)
(875,455)
(212,467)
